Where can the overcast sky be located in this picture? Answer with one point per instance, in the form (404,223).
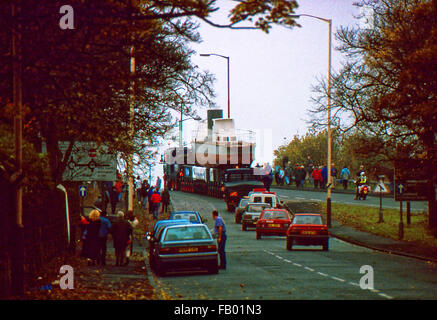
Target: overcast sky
(271,75)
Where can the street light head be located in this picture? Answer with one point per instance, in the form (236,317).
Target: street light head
(204,54)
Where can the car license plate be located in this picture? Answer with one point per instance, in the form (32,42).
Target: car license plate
(188,249)
(274,225)
(309,232)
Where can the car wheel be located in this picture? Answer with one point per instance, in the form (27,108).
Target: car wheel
(258,236)
(289,245)
(243,227)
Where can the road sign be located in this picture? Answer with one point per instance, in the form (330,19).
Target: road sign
(89,161)
(381,188)
(412,190)
(82,191)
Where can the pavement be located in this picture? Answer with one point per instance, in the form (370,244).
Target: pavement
(368,240)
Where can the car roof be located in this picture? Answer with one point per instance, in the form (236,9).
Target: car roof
(258,203)
(186,211)
(169,221)
(307,214)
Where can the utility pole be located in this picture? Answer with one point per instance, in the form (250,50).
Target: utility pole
(18,250)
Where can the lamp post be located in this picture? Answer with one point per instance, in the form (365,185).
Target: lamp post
(328,197)
(228,59)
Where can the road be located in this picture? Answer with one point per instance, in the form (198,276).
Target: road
(371,201)
(264,269)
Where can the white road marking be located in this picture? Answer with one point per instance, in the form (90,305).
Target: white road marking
(381,294)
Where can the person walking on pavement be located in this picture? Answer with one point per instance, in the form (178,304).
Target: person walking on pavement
(133,222)
(165,199)
(345,175)
(149,195)
(105,227)
(317,177)
(121,231)
(324,173)
(358,181)
(114,199)
(333,175)
(220,231)
(155,200)
(92,238)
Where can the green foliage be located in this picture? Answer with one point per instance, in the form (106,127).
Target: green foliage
(35,166)
(386,88)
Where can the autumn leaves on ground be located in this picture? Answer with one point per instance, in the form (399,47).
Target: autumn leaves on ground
(107,282)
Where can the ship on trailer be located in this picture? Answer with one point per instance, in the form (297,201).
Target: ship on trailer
(218,162)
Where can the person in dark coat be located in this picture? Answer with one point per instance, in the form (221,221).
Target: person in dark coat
(121,231)
(93,243)
(114,199)
(165,200)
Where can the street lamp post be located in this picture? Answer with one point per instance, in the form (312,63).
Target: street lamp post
(228,59)
(328,196)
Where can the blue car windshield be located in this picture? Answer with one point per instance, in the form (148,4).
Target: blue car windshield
(187,233)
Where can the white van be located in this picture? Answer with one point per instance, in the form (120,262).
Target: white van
(266,197)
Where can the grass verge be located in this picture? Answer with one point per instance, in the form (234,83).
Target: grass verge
(366,219)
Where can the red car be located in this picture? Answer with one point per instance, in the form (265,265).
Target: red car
(273,222)
(308,229)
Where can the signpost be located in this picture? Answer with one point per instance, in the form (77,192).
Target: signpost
(415,181)
(89,161)
(381,188)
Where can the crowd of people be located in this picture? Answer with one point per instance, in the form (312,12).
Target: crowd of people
(95,230)
(315,175)
(96,227)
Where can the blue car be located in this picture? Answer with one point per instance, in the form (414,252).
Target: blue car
(152,237)
(181,247)
(192,216)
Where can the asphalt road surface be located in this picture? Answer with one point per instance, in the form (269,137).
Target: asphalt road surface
(264,269)
(371,201)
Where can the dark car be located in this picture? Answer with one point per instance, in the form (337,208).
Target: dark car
(185,247)
(308,229)
(192,216)
(273,222)
(252,214)
(240,209)
(153,237)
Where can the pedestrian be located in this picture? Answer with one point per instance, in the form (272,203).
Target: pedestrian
(298,176)
(83,223)
(317,177)
(143,192)
(287,175)
(158,183)
(268,176)
(155,200)
(99,203)
(133,222)
(277,170)
(358,181)
(114,199)
(165,200)
(333,175)
(324,173)
(309,168)
(149,195)
(303,174)
(220,231)
(119,187)
(92,238)
(121,231)
(105,227)
(345,175)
